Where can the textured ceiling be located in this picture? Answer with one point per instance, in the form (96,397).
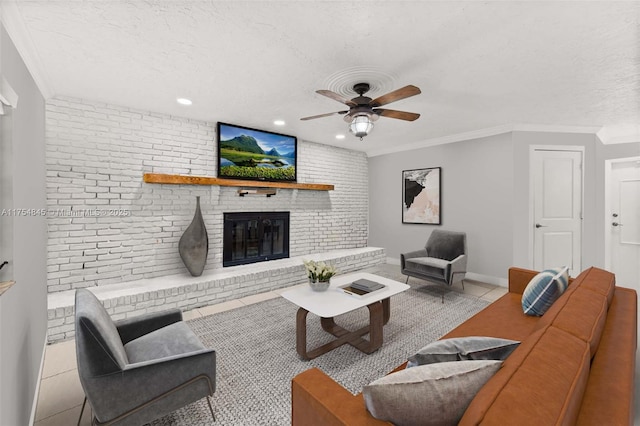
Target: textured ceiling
(480,65)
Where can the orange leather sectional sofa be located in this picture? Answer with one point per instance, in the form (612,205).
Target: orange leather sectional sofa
(575,364)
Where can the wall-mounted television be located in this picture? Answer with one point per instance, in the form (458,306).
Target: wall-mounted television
(245,153)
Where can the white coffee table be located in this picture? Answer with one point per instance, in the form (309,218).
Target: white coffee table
(334,302)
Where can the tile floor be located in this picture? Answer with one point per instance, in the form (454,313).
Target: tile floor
(61,395)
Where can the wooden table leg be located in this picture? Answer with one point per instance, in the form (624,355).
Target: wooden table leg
(379,313)
(301,333)
(386,310)
(376,321)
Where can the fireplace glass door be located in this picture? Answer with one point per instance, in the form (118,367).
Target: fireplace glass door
(255,237)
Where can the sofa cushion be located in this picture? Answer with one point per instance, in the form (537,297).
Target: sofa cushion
(599,281)
(535,386)
(584,315)
(594,279)
(503,318)
(172,340)
(433,394)
(544,289)
(463,348)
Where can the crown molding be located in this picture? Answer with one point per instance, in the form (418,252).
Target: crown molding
(483,133)
(610,135)
(14,24)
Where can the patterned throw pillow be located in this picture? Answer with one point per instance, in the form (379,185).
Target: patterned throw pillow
(433,394)
(464,348)
(543,290)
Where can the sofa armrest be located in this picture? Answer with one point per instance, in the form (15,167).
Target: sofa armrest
(317,400)
(412,254)
(519,278)
(132,328)
(609,395)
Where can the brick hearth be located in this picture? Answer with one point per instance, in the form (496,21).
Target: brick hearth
(215,286)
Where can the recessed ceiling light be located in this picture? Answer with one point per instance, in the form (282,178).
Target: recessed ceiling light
(339,136)
(184,101)
(279,122)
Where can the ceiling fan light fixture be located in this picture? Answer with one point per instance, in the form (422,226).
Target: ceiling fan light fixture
(361,125)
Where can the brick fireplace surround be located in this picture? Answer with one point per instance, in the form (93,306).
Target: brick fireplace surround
(122,237)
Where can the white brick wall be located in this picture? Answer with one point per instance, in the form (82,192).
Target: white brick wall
(123,229)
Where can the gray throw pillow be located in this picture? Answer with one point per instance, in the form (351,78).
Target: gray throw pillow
(464,348)
(433,394)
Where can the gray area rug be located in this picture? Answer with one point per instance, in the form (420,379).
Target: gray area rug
(256,354)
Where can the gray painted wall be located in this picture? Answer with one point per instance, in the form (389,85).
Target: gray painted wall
(477,197)
(485,192)
(23,308)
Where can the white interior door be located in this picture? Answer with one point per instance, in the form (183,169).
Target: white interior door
(624,223)
(557,209)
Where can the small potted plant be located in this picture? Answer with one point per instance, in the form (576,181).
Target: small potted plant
(319,274)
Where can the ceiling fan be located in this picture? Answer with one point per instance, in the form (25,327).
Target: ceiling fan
(363,110)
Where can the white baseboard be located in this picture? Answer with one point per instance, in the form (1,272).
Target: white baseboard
(502,282)
(34,406)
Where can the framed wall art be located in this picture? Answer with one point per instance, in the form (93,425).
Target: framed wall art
(421,196)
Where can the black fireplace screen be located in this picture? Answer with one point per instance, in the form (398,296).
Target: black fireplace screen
(251,237)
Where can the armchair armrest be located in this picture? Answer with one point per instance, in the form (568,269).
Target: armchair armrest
(457,266)
(132,328)
(412,254)
(139,383)
(317,400)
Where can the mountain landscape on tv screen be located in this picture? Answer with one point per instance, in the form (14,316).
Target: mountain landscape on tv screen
(243,157)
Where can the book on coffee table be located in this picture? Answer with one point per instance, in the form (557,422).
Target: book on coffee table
(366,285)
(362,287)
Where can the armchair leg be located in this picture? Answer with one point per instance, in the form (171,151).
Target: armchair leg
(462,285)
(407,281)
(84,403)
(211,408)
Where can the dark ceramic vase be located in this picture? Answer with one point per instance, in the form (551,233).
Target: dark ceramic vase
(194,244)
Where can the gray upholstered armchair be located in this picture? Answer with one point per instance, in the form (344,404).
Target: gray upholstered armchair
(443,260)
(136,370)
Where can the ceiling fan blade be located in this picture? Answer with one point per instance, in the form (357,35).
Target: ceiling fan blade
(396,95)
(401,115)
(324,115)
(336,97)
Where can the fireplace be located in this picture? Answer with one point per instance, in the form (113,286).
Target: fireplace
(251,237)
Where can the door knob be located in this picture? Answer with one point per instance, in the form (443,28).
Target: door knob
(616,224)
(541,226)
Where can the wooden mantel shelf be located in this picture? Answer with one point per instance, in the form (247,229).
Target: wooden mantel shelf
(206,180)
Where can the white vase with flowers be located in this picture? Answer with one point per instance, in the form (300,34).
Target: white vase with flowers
(319,274)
